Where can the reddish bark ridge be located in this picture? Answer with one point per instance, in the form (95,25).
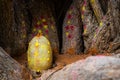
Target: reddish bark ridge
(101,25)
(72,32)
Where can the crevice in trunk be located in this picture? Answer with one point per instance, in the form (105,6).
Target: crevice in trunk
(60,15)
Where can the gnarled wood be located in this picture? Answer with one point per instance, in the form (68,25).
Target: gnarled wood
(108,35)
(11,69)
(72,31)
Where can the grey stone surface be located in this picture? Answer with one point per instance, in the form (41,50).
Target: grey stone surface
(92,68)
(11,69)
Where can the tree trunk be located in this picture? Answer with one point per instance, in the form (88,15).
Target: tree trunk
(107,34)
(6,21)
(88,22)
(101,25)
(72,31)
(11,69)
(14,26)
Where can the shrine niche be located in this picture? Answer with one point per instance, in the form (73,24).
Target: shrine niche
(44,22)
(44,36)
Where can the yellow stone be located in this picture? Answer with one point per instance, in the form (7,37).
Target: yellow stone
(101,24)
(82,16)
(36,54)
(85,31)
(48,43)
(42,46)
(39,54)
(52,27)
(95,35)
(67,33)
(45,26)
(92,1)
(48,59)
(83,8)
(70,12)
(46,36)
(38,71)
(43,20)
(38,23)
(41,59)
(44,58)
(36,44)
(68,22)
(39,31)
(48,51)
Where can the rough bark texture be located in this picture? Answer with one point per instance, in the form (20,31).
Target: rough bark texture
(89,22)
(92,68)
(11,69)
(72,31)
(14,26)
(101,21)
(100,30)
(107,35)
(6,17)
(21,26)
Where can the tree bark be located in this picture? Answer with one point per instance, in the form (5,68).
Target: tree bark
(108,32)
(72,31)
(100,30)
(6,17)
(89,23)
(11,69)
(14,26)
(101,25)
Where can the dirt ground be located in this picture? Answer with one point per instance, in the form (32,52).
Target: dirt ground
(61,60)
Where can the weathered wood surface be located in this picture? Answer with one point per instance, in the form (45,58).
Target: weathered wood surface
(101,25)
(107,37)
(89,22)
(14,26)
(11,69)
(72,31)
